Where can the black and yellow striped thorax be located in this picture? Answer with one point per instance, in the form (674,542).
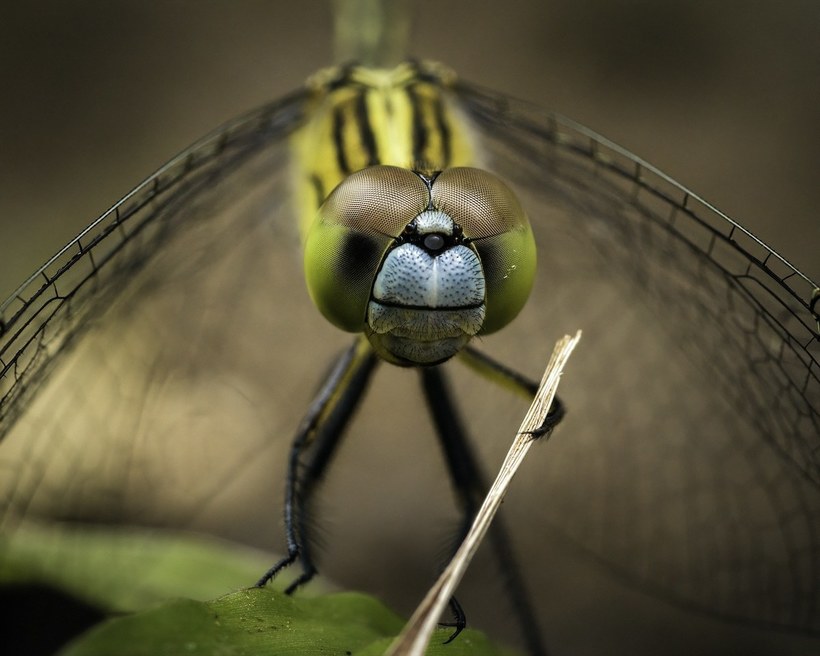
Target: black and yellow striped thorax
(360,117)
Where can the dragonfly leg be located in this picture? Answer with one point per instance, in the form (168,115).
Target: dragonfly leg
(554,416)
(320,431)
(512,380)
(459,620)
(470,486)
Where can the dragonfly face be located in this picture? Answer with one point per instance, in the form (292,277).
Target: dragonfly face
(421,262)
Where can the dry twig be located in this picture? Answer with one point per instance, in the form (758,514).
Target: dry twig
(416,634)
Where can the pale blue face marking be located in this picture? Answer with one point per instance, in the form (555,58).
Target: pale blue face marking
(413,277)
(431,221)
(427,302)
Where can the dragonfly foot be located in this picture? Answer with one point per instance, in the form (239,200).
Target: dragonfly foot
(459,620)
(278,567)
(301,580)
(553,418)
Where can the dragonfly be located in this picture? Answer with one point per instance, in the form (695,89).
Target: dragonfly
(156,369)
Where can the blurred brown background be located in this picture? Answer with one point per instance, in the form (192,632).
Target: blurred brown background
(722,96)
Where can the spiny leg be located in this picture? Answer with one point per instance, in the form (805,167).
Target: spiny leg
(321,429)
(471,487)
(510,379)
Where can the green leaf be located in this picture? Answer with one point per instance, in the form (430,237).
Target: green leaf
(261,622)
(126,570)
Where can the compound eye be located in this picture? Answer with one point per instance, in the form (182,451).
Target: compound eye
(379,199)
(348,238)
(496,225)
(478,201)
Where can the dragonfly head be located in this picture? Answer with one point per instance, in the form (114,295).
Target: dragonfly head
(420,262)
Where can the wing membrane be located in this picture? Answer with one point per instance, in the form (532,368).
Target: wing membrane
(154,371)
(690,463)
(120,353)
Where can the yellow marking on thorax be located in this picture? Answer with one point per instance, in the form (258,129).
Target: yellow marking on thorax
(374,117)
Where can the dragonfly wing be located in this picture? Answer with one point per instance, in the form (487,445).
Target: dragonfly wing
(689,461)
(136,380)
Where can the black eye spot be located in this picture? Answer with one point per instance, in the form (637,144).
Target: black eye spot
(359,257)
(433,242)
(490,261)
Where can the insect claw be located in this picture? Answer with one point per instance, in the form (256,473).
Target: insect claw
(460,620)
(278,567)
(454,634)
(300,581)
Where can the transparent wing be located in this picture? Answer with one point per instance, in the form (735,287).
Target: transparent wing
(154,372)
(689,462)
(127,356)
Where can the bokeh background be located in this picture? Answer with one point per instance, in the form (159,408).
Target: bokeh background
(722,96)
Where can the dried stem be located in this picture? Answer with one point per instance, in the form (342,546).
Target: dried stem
(417,632)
